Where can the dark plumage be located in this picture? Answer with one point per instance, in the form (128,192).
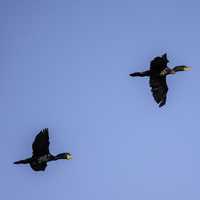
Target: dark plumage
(41,155)
(157,73)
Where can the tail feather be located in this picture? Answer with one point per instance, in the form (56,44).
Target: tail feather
(17,162)
(141,74)
(135,74)
(26,161)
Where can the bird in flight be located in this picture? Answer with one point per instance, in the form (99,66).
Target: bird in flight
(157,77)
(41,154)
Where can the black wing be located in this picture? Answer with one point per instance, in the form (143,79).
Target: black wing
(159,89)
(41,143)
(158,64)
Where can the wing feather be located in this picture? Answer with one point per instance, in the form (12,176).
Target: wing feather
(159,89)
(158,64)
(40,145)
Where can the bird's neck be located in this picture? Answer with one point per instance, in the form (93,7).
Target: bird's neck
(57,157)
(167,71)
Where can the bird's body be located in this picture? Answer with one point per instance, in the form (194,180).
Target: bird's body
(157,77)
(41,154)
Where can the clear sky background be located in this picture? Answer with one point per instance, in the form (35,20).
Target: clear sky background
(65,65)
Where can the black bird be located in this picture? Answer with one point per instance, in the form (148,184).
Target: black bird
(157,73)
(41,155)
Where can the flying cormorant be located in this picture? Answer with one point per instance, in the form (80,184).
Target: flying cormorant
(157,73)
(41,154)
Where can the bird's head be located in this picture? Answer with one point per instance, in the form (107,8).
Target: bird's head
(68,156)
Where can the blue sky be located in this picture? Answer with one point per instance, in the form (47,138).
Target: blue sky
(65,66)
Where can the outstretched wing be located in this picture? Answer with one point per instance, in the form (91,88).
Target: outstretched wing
(159,89)
(41,143)
(158,64)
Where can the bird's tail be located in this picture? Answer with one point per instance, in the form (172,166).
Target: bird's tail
(26,161)
(140,74)
(163,102)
